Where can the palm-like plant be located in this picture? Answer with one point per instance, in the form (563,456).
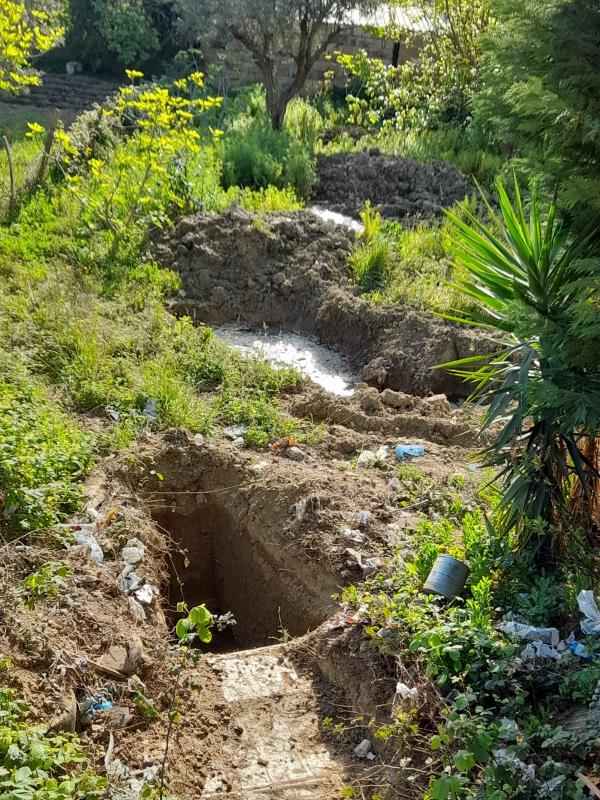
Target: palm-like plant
(537,294)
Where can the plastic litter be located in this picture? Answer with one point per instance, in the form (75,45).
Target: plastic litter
(86,538)
(133,552)
(510,758)
(586,601)
(580,650)
(366,459)
(529,633)
(509,730)
(404,451)
(405,696)
(364,518)
(234,432)
(151,409)
(447,577)
(540,650)
(94,705)
(353,535)
(367,565)
(145,594)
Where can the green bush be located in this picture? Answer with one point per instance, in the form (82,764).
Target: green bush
(38,765)
(538,291)
(256,156)
(105,32)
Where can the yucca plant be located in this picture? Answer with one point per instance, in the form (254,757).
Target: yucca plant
(536,293)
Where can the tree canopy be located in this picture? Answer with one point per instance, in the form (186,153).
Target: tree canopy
(284,37)
(540,94)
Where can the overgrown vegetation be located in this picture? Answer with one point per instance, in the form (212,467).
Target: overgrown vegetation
(540,292)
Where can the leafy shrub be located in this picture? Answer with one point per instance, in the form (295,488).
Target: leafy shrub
(47,581)
(256,156)
(145,181)
(304,123)
(37,765)
(540,96)
(103,32)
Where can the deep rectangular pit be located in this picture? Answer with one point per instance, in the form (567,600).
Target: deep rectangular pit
(228,569)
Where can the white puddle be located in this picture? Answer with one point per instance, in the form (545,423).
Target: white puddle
(337,219)
(325,367)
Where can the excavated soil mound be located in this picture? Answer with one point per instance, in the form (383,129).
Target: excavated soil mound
(290,271)
(402,188)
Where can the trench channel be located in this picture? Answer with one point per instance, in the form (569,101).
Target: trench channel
(223,563)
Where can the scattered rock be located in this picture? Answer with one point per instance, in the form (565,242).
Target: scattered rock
(133,554)
(199,439)
(296,454)
(370,400)
(117,717)
(65,715)
(115,659)
(259,467)
(435,406)
(307,506)
(278,278)
(137,610)
(363,750)
(399,400)
(375,371)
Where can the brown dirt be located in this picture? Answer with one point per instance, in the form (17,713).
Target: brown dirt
(401,188)
(251,551)
(290,271)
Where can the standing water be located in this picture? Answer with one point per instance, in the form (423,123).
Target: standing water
(325,367)
(338,219)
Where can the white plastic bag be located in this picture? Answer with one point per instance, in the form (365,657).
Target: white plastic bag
(586,601)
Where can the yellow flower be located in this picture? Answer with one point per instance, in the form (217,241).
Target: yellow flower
(34,129)
(132,74)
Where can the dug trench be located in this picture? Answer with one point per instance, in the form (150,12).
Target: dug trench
(268,539)
(265,547)
(290,271)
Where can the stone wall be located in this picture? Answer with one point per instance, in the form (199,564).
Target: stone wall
(239,69)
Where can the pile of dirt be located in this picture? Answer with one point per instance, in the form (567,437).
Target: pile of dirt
(403,189)
(290,271)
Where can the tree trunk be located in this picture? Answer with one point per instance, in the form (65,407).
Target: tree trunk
(276,108)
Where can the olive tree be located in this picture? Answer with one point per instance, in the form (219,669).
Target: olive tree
(284,37)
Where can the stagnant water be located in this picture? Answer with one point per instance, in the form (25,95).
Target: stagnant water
(338,219)
(327,368)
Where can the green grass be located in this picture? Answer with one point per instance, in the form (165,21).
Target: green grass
(408,266)
(85,340)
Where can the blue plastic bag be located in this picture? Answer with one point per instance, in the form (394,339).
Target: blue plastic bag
(404,451)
